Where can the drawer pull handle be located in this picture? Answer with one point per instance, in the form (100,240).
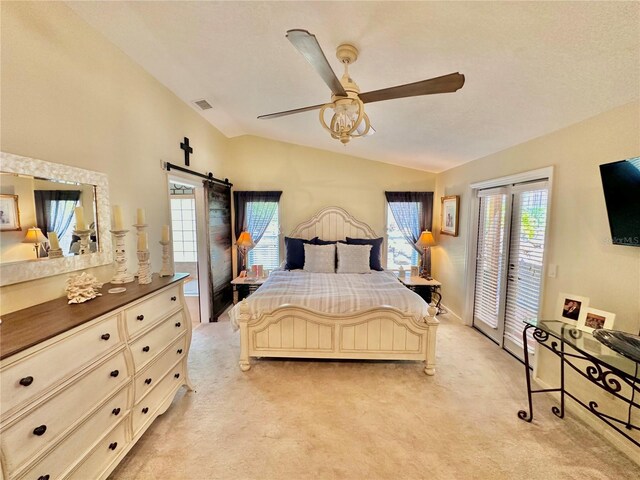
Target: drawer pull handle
(177,375)
(44,477)
(116,411)
(145,349)
(145,410)
(26,381)
(140,317)
(105,336)
(113,446)
(148,381)
(178,324)
(115,373)
(173,299)
(179,351)
(39,431)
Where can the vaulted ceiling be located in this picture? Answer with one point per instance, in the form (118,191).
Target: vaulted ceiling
(531,67)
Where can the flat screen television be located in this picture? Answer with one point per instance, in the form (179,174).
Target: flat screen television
(621,184)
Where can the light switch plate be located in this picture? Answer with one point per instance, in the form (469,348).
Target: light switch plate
(552,270)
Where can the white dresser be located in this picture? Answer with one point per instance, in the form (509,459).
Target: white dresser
(79,384)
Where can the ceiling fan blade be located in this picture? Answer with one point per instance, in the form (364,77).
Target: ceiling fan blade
(289,112)
(445,84)
(308,46)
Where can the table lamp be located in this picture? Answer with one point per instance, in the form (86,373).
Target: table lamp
(34,235)
(426,241)
(244,243)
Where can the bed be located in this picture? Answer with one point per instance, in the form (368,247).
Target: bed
(335,316)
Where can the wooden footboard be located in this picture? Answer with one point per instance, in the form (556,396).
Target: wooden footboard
(382,333)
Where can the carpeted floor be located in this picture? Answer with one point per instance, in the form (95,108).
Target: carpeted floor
(295,420)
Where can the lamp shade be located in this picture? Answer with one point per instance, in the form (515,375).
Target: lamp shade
(34,235)
(245,240)
(426,240)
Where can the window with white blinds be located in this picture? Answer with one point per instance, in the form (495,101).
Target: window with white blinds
(490,256)
(267,250)
(526,252)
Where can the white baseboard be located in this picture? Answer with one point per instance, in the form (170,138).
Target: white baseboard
(619,442)
(451,312)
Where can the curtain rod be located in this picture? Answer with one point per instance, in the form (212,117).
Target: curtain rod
(209,176)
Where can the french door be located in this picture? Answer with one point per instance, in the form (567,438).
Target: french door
(512,222)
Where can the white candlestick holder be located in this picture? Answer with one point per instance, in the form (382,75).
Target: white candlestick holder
(166,270)
(144,267)
(55,253)
(122,275)
(84,241)
(140,227)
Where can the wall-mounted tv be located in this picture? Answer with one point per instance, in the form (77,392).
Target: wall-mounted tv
(621,183)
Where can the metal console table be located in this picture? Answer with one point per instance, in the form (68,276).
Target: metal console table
(600,365)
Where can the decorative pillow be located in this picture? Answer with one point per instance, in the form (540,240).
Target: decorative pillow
(375,262)
(295,252)
(320,258)
(353,258)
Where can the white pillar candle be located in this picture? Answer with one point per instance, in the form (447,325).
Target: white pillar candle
(165,233)
(143,242)
(118,224)
(53,240)
(80,225)
(140,217)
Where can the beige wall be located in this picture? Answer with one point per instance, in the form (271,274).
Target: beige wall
(312,179)
(71,97)
(579,237)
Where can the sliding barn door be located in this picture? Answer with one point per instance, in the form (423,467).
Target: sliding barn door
(220,244)
(509,261)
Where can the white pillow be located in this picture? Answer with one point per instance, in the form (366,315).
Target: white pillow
(319,258)
(353,258)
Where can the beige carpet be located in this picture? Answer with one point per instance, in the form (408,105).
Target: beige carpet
(365,420)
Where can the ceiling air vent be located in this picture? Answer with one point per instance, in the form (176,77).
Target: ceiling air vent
(203,104)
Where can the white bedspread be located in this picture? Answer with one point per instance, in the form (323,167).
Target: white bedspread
(332,293)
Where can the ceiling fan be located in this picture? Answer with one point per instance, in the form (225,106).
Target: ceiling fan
(349,118)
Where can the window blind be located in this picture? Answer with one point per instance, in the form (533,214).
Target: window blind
(267,250)
(490,256)
(525,259)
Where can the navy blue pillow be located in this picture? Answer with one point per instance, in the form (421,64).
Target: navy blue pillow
(375,262)
(319,241)
(295,252)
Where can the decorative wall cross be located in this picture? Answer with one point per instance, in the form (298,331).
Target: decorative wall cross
(187,150)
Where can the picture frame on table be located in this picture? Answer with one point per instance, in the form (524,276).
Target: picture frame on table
(449,215)
(572,309)
(595,318)
(9,213)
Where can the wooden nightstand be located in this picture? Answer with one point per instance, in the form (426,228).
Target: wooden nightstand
(243,287)
(421,286)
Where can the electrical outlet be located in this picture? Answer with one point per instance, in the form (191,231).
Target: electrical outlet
(552,270)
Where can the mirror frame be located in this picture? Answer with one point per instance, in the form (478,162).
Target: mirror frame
(22,271)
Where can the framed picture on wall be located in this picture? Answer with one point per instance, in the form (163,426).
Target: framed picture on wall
(9,213)
(449,215)
(595,318)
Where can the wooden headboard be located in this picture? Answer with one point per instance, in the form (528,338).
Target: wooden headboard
(333,223)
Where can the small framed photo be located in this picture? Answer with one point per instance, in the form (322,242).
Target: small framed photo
(572,308)
(449,215)
(596,319)
(9,213)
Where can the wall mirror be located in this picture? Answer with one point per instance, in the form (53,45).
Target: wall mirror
(39,197)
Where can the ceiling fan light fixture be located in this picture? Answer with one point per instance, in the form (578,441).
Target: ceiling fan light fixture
(349,119)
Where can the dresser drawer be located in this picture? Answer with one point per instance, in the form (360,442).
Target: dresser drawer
(26,379)
(44,424)
(146,381)
(78,444)
(145,410)
(148,312)
(153,342)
